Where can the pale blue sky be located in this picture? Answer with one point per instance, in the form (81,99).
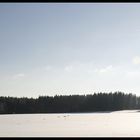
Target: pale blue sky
(69,48)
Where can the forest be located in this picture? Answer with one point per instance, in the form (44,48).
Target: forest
(70,103)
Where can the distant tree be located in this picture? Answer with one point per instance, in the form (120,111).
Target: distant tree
(70,103)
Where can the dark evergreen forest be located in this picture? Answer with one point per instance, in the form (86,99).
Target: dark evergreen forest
(69,103)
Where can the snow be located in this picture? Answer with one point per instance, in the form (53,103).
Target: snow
(124,123)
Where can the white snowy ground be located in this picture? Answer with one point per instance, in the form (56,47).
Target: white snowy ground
(114,124)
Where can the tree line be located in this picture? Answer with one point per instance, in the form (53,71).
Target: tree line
(70,103)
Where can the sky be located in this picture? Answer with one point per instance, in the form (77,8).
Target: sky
(69,48)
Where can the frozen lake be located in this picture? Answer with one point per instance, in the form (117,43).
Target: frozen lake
(104,124)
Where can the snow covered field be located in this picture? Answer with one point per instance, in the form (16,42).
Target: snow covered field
(103,124)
